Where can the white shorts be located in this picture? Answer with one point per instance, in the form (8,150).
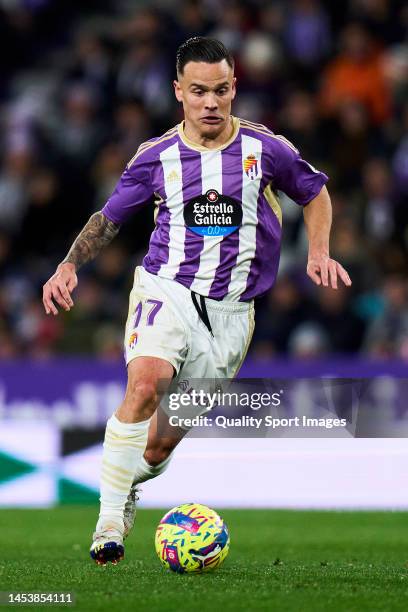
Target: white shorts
(163,322)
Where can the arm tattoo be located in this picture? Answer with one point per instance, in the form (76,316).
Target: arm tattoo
(96,234)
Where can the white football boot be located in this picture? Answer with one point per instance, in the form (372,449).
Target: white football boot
(107,544)
(129,513)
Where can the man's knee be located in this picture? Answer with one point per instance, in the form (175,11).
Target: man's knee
(143,391)
(147,380)
(140,401)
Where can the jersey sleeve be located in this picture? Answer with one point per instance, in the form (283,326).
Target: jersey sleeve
(132,192)
(292,174)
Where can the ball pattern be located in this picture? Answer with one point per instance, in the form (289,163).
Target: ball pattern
(192,538)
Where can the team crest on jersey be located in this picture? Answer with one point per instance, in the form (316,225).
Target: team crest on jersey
(133,340)
(251,167)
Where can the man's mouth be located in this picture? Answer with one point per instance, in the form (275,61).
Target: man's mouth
(211,119)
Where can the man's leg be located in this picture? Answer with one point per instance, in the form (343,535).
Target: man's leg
(162,440)
(124,445)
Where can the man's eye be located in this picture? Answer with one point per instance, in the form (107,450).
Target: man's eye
(198,92)
(222,91)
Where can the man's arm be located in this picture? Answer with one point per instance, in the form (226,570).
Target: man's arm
(97,233)
(320,267)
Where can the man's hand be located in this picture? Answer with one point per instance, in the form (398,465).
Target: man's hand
(325,271)
(59,288)
(97,233)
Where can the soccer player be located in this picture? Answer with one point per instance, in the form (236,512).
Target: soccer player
(215,248)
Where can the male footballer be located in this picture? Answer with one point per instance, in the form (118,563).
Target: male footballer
(215,248)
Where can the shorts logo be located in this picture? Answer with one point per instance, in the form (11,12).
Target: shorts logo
(132,340)
(251,167)
(213,214)
(184,385)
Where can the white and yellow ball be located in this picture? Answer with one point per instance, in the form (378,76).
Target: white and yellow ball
(192,538)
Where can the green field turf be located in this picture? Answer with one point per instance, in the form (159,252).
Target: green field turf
(278,561)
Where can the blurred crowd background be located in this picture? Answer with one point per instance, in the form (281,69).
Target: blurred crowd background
(83,84)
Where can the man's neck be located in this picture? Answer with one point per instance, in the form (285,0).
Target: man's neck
(210,143)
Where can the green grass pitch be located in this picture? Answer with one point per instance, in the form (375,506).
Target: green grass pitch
(278,561)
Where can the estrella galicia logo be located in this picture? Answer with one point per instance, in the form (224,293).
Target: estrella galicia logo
(213,214)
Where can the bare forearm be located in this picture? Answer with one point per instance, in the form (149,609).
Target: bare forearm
(320,267)
(318,219)
(96,234)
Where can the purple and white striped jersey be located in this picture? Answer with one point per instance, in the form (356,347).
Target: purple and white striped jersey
(218,219)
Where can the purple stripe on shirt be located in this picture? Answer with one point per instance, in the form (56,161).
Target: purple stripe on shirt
(229,248)
(158,253)
(264,266)
(192,187)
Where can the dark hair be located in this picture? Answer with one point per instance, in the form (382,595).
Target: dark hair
(202,49)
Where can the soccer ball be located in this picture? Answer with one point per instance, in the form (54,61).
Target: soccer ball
(192,538)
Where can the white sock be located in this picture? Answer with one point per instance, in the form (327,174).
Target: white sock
(123,449)
(144,471)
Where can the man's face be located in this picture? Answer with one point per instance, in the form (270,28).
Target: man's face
(206,91)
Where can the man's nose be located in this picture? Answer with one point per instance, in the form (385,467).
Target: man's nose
(211,101)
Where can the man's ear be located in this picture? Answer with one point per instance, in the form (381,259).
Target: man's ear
(234,88)
(178,91)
